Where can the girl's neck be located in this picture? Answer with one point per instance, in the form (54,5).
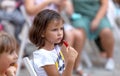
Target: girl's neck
(48,46)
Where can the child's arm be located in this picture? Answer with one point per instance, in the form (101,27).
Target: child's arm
(32,8)
(69,8)
(51,70)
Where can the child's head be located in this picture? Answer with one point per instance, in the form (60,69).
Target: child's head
(47,24)
(8,47)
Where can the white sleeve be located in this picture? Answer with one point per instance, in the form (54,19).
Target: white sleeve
(42,59)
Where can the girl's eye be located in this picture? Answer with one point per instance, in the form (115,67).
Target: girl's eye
(11,52)
(62,28)
(54,30)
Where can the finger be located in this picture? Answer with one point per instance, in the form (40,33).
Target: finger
(64,48)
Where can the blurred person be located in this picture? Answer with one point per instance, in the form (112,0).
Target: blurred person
(90,18)
(1,27)
(8,56)
(35,6)
(47,33)
(113,13)
(113,17)
(9,12)
(117,5)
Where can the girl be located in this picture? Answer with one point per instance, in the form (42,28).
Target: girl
(8,56)
(47,34)
(74,37)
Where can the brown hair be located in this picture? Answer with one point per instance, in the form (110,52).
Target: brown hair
(117,2)
(40,24)
(7,42)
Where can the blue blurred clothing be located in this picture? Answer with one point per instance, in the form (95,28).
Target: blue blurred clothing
(86,10)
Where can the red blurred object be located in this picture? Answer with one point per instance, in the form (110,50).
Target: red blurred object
(65,43)
(1,27)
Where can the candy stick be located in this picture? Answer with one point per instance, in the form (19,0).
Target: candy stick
(65,43)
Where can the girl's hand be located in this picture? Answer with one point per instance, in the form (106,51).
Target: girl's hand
(11,71)
(70,54)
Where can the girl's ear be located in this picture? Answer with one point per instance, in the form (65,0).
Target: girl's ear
(43,34)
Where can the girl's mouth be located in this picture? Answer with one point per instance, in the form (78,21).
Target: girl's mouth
(60,38)
(12,64)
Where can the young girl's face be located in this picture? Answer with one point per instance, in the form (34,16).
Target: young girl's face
(6,59)
(54,32)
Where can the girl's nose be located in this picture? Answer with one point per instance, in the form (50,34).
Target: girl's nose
(60,32)
(15,56)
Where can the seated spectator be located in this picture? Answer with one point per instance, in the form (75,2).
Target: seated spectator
(113,15)
(89,17)
(1,27)
(9,12)
(51,59)
(113,12)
